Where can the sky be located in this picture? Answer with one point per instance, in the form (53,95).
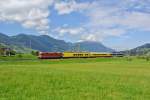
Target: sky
(119,24)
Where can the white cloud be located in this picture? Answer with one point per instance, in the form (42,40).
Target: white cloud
(89,37)
(71,6)
(100,34)
(136,20)
(99,25)
(105,17)
(30,13)
(69,31)
(115,20)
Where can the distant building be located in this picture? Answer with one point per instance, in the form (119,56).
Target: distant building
(5,51)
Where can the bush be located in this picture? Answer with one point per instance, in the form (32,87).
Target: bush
(20,56)
(35,53)
(147,58)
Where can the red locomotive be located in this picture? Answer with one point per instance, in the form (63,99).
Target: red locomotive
(50,55)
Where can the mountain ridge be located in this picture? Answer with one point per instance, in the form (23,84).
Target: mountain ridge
(49,44)
(139,51)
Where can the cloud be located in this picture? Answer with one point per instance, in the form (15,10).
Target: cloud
(69,7)
(107,19)
(88,37)
(100,24)
(69,31)
(100,34)
(30,13)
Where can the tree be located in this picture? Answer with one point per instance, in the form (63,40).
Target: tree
(147,58)
(35,53)
(11,53)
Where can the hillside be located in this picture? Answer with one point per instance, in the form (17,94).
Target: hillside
(92,46)
(23,43)
(141,50)
(41,43)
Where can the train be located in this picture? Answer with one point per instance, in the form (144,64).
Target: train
(58,55)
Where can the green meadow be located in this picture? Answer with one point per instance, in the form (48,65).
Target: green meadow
(74,79)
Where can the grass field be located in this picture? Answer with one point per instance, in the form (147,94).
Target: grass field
(75,79)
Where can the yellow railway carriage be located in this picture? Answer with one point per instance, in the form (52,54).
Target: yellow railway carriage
(85,54)
(76,54)
(97,54)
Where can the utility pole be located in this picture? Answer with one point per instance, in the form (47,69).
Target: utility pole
(30,44)
(78,47)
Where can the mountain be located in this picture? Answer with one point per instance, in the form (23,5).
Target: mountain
(147,45)
(92,46)
(141,50)
(41,43)
(5,39)
(27,43)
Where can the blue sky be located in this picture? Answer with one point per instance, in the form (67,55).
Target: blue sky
(120,24)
